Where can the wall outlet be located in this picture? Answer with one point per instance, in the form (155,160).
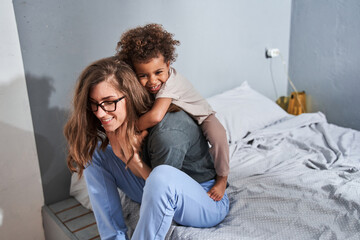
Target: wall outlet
(272,52)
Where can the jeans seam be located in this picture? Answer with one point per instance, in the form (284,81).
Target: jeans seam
(162,220)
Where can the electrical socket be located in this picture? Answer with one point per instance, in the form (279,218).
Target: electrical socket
(272,52)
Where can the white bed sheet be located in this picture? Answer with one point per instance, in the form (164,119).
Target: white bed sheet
(297,179)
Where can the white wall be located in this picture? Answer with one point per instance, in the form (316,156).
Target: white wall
(21,196)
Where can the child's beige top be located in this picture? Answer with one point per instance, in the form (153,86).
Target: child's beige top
(185,96)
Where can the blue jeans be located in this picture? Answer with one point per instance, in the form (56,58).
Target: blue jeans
(168,194)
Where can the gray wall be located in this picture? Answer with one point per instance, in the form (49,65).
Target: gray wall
(222,44)
(325,57)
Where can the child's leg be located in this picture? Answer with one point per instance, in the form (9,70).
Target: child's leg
(215,133)
(103,176)
(170,194)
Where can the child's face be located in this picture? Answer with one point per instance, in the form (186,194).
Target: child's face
(153,73)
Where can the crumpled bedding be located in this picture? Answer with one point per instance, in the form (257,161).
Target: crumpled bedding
(298,178)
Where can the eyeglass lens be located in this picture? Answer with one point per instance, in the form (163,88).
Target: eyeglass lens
(108,106)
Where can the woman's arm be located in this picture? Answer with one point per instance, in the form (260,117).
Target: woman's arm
(155,115)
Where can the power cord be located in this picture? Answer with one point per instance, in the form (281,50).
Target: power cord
(292,84)
(270,53)
(273,81)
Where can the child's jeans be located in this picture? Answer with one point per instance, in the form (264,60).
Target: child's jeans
(168,194)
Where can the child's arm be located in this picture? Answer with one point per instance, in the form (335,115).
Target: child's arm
(155,115)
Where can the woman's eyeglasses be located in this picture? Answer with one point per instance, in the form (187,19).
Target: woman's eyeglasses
(107,106)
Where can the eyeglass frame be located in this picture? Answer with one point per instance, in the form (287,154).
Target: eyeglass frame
(102,106)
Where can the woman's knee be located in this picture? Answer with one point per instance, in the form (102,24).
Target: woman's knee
(161,179)
(162,174)
(164,170)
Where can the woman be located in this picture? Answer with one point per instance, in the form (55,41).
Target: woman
(106,109)
(108,101)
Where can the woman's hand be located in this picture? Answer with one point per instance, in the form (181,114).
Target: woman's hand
(138,167)
(139,138)
(122,151)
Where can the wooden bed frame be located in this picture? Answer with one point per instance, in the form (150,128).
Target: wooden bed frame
(68,219)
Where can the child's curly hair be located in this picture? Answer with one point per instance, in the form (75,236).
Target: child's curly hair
(141,44)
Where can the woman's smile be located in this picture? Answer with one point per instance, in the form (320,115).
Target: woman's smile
(106,120)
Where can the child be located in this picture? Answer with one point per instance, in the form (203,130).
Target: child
(150,50)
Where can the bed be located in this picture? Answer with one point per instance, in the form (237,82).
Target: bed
(291,177)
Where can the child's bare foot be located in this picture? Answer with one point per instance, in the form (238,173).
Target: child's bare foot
(218,190)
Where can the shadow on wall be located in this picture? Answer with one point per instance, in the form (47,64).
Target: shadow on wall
(50,142)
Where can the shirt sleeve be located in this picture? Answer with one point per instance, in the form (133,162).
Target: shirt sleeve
(168,147)
(170,89)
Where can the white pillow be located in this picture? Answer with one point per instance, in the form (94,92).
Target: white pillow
(242,110)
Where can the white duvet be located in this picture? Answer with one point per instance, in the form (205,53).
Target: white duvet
(296,179)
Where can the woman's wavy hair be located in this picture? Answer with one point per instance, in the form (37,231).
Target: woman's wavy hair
(143,43)
(83,130)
